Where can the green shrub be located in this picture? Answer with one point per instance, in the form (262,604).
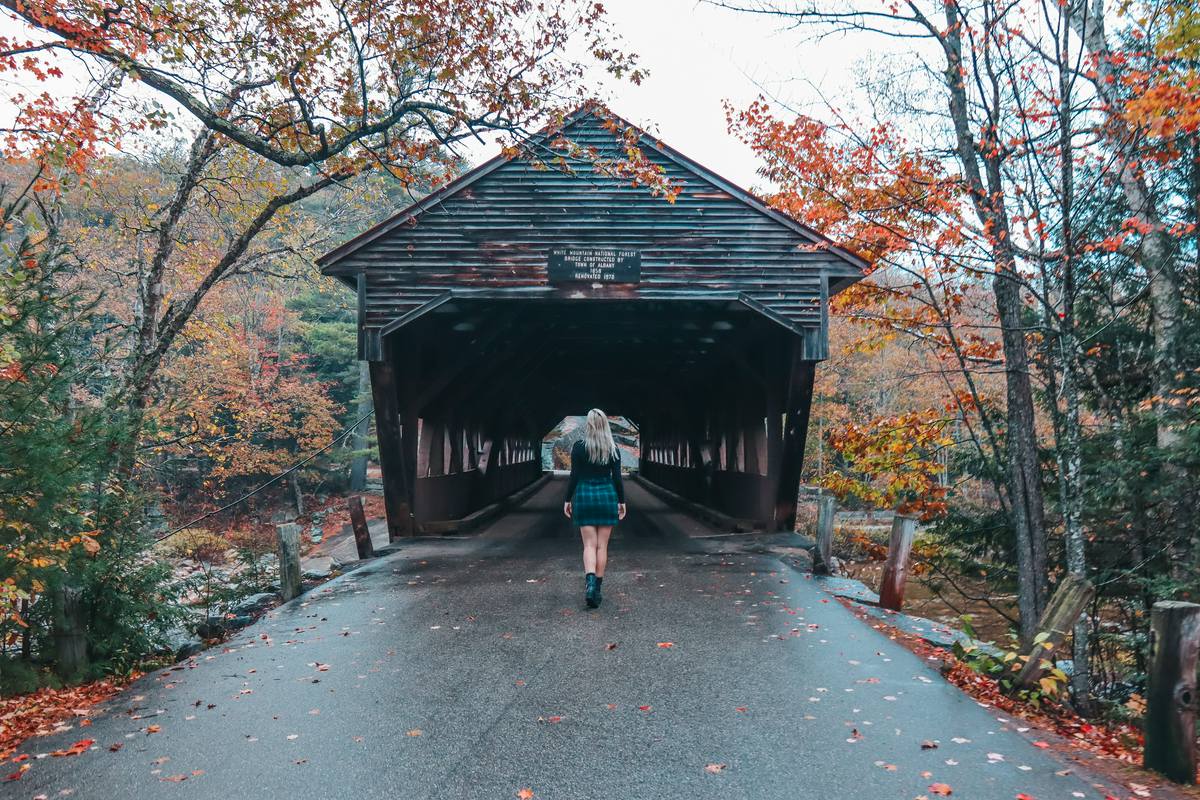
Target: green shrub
(17,677)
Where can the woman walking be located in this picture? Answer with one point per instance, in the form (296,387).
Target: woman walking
(595,499)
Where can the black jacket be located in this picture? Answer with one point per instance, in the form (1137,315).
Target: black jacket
(583,467)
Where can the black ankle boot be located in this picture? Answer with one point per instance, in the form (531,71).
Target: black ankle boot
(592,593)
(599,584)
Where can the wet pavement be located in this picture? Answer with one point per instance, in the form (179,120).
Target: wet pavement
(469,668)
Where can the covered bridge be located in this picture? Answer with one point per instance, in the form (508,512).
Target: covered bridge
(517,295)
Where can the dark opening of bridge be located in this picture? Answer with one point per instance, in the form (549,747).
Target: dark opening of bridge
(518,295)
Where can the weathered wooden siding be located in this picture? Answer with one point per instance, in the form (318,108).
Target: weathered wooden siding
(497,232)
(475,354)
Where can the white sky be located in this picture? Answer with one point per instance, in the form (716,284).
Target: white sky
(698,56)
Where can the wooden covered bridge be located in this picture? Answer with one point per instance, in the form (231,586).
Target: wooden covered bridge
(517,295)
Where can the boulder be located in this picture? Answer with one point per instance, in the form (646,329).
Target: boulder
(317,568)
(182,644)
(253,604)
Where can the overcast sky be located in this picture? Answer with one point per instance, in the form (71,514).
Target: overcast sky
(699,55)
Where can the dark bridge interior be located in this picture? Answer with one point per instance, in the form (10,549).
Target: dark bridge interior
(705,329)
(703,379)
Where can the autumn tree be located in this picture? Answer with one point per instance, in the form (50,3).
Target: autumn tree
(992,169)
(306,96)
(67,524)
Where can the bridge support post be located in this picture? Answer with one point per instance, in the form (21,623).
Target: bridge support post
(397,500)
(797,402)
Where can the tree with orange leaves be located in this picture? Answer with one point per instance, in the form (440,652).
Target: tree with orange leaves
(313,95)
(1044,157)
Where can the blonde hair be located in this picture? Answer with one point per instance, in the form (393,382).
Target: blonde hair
(597,435)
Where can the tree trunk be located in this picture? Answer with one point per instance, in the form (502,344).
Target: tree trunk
(987,191)
(1024,472)
(70,637)
(358,467)
(297,494)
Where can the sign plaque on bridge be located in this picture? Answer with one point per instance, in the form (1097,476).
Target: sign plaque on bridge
(595,265)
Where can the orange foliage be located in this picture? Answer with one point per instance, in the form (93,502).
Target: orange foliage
(243,409)
(901,209)
(902,449)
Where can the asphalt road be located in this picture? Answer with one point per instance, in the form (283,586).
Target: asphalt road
(471,669)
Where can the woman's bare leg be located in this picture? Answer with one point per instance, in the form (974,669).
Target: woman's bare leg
(588,533)
(602,534)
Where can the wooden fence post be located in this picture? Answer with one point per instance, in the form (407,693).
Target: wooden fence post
(1171,690)
(1069,599)
(289,559)
(362,534)
(895,571)
(826,508)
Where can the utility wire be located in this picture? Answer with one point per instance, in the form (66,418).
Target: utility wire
(340,437)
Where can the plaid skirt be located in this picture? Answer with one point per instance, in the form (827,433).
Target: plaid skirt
(595,502)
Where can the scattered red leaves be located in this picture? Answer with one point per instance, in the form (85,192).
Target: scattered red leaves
(940,788)
(39,713)
(1120,741)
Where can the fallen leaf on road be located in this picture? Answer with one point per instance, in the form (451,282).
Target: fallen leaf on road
(643,708)
(1041,744)
(414,732)
(940,788)
(153,728)
(714,768)
(79,747)
(666,644)
(610,646)
(928,745)
(525,794)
